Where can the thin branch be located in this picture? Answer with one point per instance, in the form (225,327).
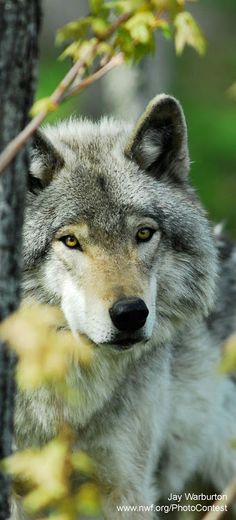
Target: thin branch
(111,64)
(230,493)
(121,19)
(58,96)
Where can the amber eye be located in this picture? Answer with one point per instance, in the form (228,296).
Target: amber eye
(71,242)
(144,234)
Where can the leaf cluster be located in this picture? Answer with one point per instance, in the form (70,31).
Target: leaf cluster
(57,478)
(44,346)
(128,26)
(45,479)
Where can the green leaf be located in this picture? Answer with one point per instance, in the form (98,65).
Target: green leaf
(142,50)
(141,18)
(71,51)
(77,50)
(140,33)
(140,26)
(188,32)
(105,48)
(124,43)
(165,28)
(95,6)
(74,30)
(100,26)
(124,6)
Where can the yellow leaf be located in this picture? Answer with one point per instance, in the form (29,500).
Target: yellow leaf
(188,32)
(44,350)
(88,499)
(71,51)
(47,474)
(228,363)
(47,471)
(83,463)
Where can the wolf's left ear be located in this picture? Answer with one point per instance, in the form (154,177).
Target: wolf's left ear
(46,161)
(159,141)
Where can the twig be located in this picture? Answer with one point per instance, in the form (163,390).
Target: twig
(59,95)
(121,19)
(111,64)
(18,142)
(230,493)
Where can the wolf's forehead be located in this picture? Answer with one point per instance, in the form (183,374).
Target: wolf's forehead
(89,141)
(107,201)
(108,191)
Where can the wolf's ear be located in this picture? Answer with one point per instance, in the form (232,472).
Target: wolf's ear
(159,141)
(46,161)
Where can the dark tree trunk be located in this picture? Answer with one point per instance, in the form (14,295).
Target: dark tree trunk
(19,27)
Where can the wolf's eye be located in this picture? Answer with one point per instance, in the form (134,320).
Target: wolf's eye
(144,234)
(71,242)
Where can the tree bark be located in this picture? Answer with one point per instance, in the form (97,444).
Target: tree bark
(19,28)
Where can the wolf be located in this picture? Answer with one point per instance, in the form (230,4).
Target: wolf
(116,237)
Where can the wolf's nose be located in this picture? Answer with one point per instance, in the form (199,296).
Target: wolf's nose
(129,314)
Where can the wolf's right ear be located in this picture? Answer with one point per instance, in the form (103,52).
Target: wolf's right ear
(159,141)
(45,162)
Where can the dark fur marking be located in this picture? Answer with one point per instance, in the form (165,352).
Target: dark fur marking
(225,248)
(163,462)
(101,182)
(34,184)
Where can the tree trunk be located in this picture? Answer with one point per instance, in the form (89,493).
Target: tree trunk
(19,27)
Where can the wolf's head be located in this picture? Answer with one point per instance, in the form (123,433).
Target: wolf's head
(113,233)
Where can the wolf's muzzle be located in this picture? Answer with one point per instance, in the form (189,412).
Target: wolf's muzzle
(129,314)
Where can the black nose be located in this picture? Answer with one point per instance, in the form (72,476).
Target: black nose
(129,314)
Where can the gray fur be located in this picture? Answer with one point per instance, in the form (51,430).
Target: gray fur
(156,414)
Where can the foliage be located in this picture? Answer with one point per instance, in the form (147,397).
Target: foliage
(135,22)
(43,352)
(125,27)
(45,476)
(187,31)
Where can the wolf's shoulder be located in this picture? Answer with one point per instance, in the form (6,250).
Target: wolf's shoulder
(222,320)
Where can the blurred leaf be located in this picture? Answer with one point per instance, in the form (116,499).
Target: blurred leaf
(231,92)
(82,463)
(44,351)
(71,51)
(165,28)
(105,48)
(45,469)
(74,30)
(188,32)
(124,6)
(228,363)
(140,25)
(88,499)
(96,6)
(100,26)
(78,50)
(48,472)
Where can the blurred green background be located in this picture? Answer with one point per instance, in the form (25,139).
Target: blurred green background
(200,83)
